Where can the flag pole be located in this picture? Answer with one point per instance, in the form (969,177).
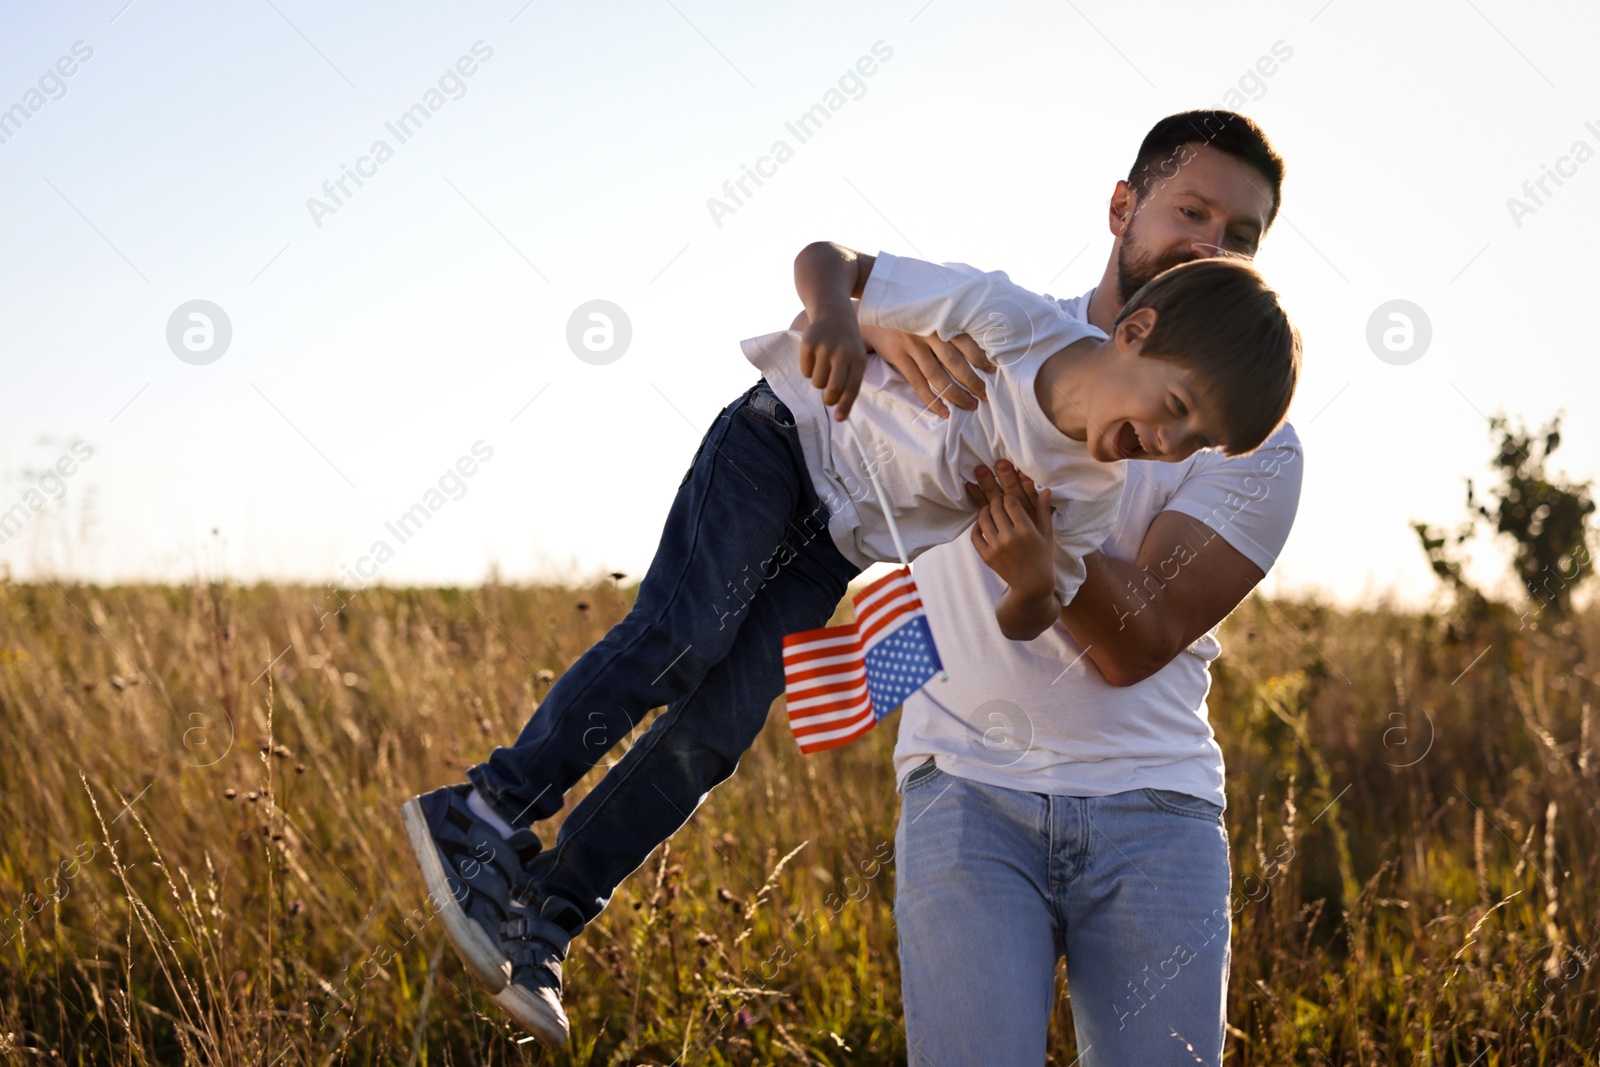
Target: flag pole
(883,498)
(888,510)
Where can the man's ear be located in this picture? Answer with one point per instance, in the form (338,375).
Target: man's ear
(1132,332)
(1123,202)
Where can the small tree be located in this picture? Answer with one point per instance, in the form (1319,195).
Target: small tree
(1547,520)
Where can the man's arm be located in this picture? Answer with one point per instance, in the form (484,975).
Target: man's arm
(1130,637)
(1187,580)
(940,372)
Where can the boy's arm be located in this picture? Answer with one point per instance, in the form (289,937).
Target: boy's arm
(827,277)
(948,299)
(1023,617)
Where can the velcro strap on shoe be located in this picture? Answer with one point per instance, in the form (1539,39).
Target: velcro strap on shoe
(526,844)
(525,928)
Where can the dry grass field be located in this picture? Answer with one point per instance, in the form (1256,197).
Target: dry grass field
(202,863)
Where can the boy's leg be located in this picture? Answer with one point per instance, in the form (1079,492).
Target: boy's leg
(978,936)
(692,746)
(746,497)
(746,494)
(1148,923)
(695,743)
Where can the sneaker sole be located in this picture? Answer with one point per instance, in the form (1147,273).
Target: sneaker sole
(534,1016)
(479,953)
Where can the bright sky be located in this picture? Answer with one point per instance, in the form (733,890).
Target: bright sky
(374,344)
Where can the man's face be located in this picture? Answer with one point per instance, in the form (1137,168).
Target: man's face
(1197,204)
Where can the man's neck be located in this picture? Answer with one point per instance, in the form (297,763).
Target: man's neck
(1107,299)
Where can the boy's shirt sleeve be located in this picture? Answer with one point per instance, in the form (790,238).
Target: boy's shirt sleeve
(947,299)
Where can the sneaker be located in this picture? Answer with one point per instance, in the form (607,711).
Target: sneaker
(471,873)
(536,945)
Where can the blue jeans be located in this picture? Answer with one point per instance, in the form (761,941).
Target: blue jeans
(745,559)
(993,886)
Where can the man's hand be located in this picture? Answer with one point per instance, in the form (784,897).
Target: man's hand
(989,488)
(937,370)
(834,357)
(1013,538)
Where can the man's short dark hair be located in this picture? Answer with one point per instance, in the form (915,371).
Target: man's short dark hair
(1226,131)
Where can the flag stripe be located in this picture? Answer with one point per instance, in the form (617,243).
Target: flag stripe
(817,741)
(811,722)
(857,687)
(878,623)
(865,598)
(818,662)
(797,649)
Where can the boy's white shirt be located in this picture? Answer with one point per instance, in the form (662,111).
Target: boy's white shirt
(923,461)
(1036,715)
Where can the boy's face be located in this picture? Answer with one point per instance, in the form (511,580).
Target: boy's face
(1200,203)
(1146,407)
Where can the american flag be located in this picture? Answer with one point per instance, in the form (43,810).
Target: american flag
(840,680)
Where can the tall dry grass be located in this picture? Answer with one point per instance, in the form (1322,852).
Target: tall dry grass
(201,860)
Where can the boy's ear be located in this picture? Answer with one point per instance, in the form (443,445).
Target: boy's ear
(1123,203)
(1134,330)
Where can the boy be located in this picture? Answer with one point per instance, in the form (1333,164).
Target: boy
(1201,356)
(1068,403)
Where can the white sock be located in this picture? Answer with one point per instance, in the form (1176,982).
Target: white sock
(479,807)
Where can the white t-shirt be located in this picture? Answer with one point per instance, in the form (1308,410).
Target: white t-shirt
(1036,715)
(923,461)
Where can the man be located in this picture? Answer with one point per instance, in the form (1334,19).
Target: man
(1063,796)
(512,907)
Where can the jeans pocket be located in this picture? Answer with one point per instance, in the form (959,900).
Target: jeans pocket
(763,405)
(920,775)
(1175,803)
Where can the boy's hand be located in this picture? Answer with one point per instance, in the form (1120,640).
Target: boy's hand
(834,357)
(1013,534)
(827,277)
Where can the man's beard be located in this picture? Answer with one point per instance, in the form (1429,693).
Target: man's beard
(1137,268)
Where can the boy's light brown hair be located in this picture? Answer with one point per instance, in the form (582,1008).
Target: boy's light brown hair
(1220,320)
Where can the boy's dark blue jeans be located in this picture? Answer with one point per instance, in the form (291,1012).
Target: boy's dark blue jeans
(745,559)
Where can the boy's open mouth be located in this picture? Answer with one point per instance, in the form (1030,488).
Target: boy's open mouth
(1128,443)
